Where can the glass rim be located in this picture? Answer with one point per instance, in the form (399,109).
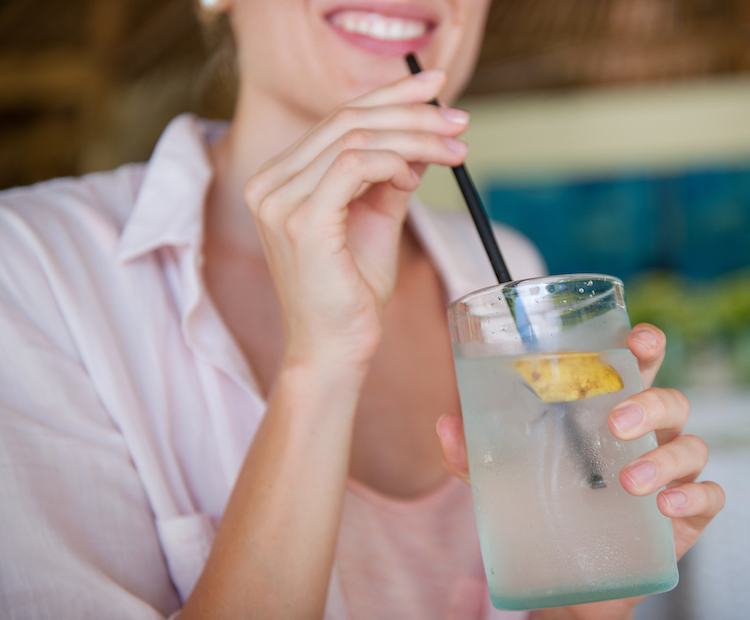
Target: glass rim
(537,281)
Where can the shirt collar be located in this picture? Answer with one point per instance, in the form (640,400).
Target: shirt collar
(168,209)
(169,206)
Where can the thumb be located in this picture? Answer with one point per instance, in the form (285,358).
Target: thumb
(450,429)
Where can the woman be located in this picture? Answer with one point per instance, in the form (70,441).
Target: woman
(179,362)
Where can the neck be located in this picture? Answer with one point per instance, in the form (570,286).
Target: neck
(260,130)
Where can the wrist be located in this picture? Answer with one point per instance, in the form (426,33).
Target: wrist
(332,358)
(323,381)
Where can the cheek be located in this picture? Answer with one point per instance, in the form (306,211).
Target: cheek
(466,42)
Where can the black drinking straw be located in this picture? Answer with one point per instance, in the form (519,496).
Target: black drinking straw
(474,202)
(581,444)
(484,228)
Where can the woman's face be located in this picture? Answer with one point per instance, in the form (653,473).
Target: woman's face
(313,55)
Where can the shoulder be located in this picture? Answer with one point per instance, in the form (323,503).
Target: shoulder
(65,216)
(51,231)
(104,198)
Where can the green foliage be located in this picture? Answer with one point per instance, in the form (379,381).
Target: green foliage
(695,315)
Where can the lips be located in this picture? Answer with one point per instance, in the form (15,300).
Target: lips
(389,29)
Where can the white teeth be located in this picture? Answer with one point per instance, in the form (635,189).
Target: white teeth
(380,29)
(378,26)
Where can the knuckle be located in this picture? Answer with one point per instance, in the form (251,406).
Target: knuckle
(253,193)
(421,108)
(681,400)
(661,398)
(698,446)
(345,115)
(654,402)
(267,211)
(426,116)
(672,457)
(258,188)
(684,402)
(294,225)
(349,160)
(428,141)
(357,138)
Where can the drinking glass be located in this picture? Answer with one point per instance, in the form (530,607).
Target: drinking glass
(540,363)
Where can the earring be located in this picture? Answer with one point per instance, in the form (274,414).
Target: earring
(210,5)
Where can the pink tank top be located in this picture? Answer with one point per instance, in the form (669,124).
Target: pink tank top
(416,558)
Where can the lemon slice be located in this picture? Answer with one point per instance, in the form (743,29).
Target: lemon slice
(563,377)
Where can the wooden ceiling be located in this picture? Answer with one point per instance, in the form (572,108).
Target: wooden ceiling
(69,67)
(543,44)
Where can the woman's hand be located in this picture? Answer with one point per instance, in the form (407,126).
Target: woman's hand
(330,210)
(675,464)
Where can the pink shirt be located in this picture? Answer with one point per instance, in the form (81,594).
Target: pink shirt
(126,408)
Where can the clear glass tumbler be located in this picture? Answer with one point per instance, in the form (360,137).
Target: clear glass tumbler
(540,363)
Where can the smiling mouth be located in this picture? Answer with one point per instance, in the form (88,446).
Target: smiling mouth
(380,27)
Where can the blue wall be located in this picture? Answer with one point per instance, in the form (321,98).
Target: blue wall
(696,222)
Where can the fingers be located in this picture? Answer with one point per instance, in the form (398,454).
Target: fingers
(418,146)
(647,343)
(399,106)
(679,461)
(663,410)
(351,169)
(326,206)
(424,86)
(413,147)
(697,500)
(350,123)
(692,507)
(450,429)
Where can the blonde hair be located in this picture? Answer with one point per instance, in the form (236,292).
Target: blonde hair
(218,80)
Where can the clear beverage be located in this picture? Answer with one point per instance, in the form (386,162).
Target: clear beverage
(550,537)
(540,364)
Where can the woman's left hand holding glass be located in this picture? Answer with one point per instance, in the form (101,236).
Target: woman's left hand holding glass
(675,464)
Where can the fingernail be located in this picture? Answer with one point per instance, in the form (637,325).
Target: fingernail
(646,338)
(454,115)
(430,74)
(456,145)
(627,418)
(437,425)
(675,499)
(415,176)
(641,473)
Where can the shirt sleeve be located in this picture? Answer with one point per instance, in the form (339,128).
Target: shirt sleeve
(77,535)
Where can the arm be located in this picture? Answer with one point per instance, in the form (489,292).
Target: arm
(329,212)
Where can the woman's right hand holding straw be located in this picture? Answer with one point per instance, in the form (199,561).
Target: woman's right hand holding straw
(330,212)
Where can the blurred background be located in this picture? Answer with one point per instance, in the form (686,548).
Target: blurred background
(614,133)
